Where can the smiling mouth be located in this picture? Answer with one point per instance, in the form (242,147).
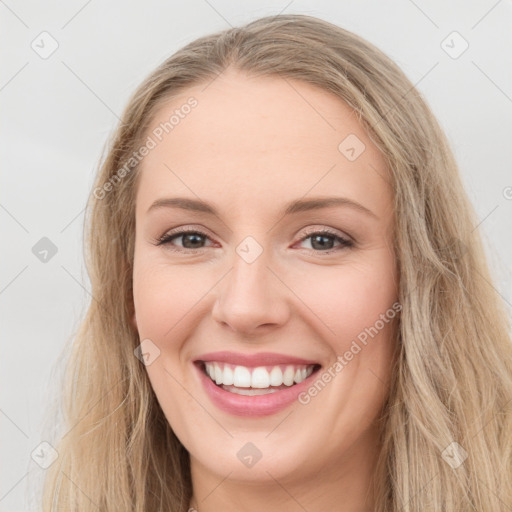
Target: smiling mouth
(260,380)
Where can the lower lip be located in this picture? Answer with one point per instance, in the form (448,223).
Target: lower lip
(257,405)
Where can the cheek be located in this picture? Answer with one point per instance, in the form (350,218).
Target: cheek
(351,300)
(165,294)
(167,301)
(358,303)
(358,307)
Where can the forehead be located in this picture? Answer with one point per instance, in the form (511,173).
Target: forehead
(251,139)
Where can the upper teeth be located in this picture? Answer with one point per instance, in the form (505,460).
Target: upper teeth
(259,377)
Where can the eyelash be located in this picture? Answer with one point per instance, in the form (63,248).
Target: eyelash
(167,237)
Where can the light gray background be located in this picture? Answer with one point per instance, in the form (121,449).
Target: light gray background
(57,113)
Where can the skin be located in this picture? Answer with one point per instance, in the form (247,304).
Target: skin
(249,147)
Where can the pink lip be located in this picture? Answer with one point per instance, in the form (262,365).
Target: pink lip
(258,405)
(253,360)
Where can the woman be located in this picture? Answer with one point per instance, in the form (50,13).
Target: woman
(292,309)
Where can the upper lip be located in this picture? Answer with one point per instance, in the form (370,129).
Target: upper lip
(253,360)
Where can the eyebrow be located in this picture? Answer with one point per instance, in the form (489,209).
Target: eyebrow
(299,205)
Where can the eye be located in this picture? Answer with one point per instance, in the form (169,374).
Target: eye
(323,241)
(190,239)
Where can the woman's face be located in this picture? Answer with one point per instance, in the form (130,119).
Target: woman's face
(275,216)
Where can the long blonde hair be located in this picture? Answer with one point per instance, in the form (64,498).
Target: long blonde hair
(452,382)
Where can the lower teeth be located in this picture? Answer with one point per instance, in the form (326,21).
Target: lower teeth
(252,391)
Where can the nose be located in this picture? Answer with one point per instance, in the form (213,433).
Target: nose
(251,299)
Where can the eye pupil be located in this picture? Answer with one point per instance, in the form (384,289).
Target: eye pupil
(195,238)
(321,241)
